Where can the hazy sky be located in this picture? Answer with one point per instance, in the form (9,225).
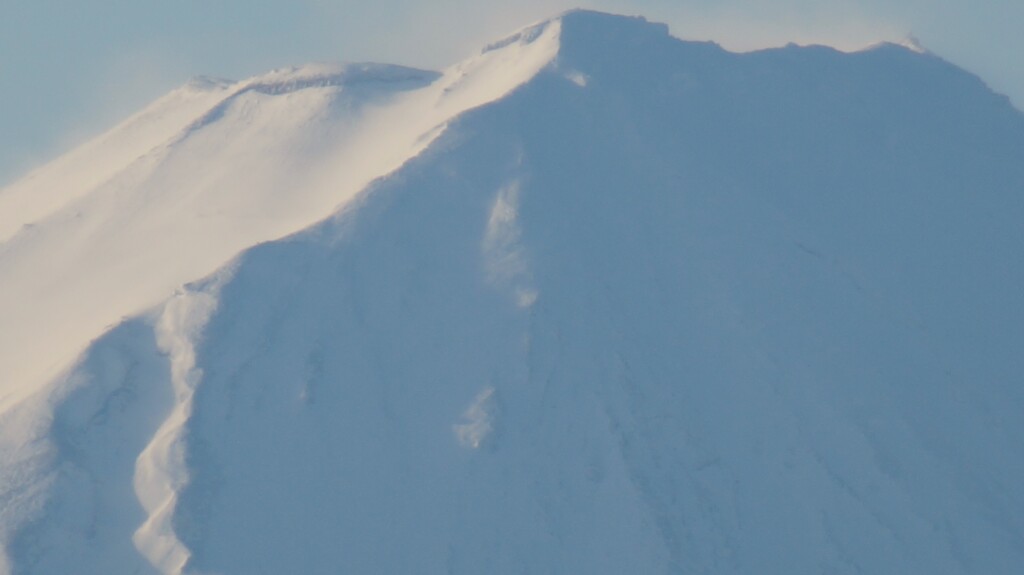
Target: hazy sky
(71,68)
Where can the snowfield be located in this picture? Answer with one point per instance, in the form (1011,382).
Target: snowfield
(595,300)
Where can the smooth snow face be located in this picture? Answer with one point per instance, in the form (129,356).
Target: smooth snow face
(74,175)
(161,470)
(663,309)
(176,191)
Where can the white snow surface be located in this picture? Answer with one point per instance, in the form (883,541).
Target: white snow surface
(596,300)
(176,191)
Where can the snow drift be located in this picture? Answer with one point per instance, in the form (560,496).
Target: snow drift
(596,300)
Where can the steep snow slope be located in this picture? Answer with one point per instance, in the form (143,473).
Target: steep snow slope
(205,172)
(661,309)
(80,171)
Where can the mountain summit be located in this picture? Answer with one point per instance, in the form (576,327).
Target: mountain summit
(595,300)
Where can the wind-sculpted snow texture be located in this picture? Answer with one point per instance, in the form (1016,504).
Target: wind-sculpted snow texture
(661,309)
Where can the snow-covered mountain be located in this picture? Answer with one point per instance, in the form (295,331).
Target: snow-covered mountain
(596,300)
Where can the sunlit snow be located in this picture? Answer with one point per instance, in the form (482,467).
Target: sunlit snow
(595,300)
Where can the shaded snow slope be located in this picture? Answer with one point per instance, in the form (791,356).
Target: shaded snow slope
(661,309)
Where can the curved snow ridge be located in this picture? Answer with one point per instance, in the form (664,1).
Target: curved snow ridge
(910,43)
(414,121)
(160,470)
(366,80)
(498,69)
(75,174)
(120,224)
(322,75)
(274,155)
(168,120)
(525,36)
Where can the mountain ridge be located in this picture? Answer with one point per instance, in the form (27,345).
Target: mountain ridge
(371,127)
(659,307)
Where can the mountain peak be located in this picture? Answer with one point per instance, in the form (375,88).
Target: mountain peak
(593,300)
(579,28)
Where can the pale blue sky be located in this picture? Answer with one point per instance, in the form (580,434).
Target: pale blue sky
(71,68)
